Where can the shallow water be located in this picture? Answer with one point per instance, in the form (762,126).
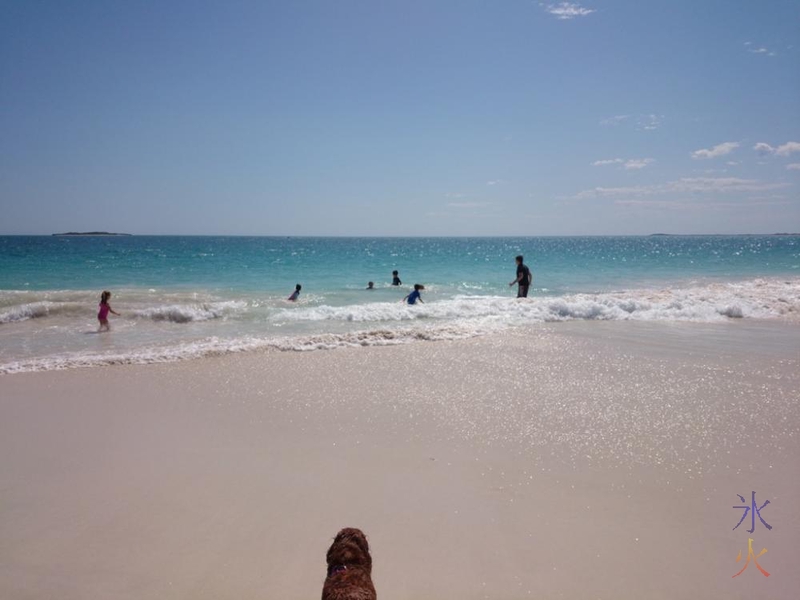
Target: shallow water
(182,297)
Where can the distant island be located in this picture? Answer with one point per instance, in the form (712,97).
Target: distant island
(90,233)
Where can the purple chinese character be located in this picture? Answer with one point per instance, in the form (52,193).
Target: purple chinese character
(754,510)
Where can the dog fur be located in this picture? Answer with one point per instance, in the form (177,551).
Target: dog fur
(349,568)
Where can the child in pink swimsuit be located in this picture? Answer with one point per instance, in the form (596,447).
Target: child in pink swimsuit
(104,309)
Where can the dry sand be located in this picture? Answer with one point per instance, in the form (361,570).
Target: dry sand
(585,460)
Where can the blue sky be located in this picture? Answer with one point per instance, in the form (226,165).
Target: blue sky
(428,117)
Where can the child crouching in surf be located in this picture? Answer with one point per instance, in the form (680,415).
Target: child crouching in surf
(414,296)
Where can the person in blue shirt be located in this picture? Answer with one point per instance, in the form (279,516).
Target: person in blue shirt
(414,296)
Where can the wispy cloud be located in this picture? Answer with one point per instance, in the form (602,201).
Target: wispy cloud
(638,163)
(642,122)
(687,205)
(686,185)
(616,120)
(753,49)
(783,150)
(495,182)
(629,164)
(649,122)
(787,148)
(793,167)
(716,151)
(567,10)
(763,148)
(468,204)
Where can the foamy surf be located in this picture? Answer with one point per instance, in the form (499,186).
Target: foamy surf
(188,313)
(219,347)
(38,310)
(158,327)
(757,299)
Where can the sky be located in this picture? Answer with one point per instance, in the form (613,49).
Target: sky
(390,118)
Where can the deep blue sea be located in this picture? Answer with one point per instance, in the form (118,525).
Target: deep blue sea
(185,297)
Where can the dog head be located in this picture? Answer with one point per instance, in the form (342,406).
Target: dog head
(349,549)
(349,568)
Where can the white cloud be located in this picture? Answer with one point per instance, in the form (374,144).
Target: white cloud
(783,150)
(454,195)
(496,182)
(733,163)
(468,204)
(718,150)
(649,122)
(759,49)
(686,185)
(793,167)
(787,148)
(642,122)
(763,148)
(685,205)
(638,163)
(567,10)
(630,163)
(611,121)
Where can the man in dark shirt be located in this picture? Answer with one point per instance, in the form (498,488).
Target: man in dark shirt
(524,278)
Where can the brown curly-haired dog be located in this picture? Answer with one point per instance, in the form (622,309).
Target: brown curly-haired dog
(349,568)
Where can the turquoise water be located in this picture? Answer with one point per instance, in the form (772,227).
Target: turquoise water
(190,296)
(561,264)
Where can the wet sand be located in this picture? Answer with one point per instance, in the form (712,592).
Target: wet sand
(578,460)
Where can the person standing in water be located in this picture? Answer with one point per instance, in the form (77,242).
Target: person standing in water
(524,278)
(396,278)
(295,293)
(104,309)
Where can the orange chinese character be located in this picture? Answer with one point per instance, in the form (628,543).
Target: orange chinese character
(753,556)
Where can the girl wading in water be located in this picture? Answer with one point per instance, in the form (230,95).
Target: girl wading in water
(105,308)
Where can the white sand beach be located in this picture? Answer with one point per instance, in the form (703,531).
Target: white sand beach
(577,460)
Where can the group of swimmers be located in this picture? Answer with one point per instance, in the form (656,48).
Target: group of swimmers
(411,298)
(523,280)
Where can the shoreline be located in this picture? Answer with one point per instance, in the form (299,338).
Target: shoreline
(539,463)
(50,330)
(765,330)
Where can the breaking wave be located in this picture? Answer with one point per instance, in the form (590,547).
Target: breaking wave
(193,312)
(241,325)
(757,299)
(36,310)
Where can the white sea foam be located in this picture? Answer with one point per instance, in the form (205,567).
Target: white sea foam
(253,325)
(188,313)
(36,310)
(714,302)
(218,347)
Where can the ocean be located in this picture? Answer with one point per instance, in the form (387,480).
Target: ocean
(188,297)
